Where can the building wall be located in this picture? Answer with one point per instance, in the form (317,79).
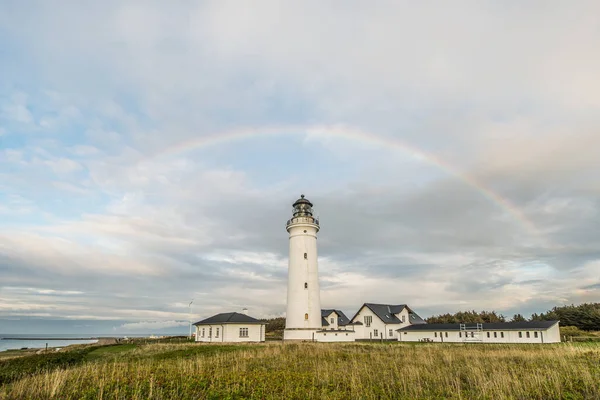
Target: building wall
(303,301)
(335,336)
(334,324)
(543,336)
(552,334)
(305,334)
(368,332)
(230,333)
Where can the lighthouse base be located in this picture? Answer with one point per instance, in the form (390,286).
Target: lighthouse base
(301,334)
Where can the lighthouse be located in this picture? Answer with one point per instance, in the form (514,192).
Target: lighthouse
(303,316)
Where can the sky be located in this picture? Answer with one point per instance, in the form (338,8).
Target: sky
(150,153)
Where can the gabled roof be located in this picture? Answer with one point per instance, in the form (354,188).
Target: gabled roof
(342,319)
(386,313)
(495,326)
(229,318)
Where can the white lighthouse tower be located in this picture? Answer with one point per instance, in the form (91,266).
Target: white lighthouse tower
(303,316)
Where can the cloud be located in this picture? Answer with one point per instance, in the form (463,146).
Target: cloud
(16,110)
(470,180)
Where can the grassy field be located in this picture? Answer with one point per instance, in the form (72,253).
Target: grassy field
(308,370)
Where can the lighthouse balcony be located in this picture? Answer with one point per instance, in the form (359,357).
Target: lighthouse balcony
(302,220)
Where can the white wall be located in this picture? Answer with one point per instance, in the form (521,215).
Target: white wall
(335,336)
(552,334)
(304,334)
(334,324)
(230,333)
(301,300)
(543,336)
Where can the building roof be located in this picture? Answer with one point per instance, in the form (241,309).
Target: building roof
(495,326)
(342,319)
(229,318)
(387,313)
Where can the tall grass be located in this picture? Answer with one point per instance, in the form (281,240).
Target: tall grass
(331,371)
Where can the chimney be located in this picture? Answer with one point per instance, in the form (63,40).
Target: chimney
(245,311)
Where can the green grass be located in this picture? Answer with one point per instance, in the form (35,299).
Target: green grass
(316,370)
(111,350)
(17,368)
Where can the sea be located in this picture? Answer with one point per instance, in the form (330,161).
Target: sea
(20,341)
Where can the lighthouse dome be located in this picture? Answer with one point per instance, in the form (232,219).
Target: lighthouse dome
(302,207)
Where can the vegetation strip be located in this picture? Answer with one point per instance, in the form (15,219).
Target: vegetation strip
(310,370)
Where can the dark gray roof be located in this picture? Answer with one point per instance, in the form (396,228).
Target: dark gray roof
(229,318)
(386,313)
(342,319)
(324,321)
(495,326)
(302,200)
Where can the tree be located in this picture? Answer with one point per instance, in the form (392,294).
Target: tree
(466,317)
(583,316)
(518,318)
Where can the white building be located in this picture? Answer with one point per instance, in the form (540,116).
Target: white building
(230,327)
(335,327)
(332,319)
(303,316)
(500,332)
(381,321)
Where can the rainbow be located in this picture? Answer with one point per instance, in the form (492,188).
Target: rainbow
(349,133)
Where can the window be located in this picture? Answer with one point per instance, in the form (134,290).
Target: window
(495,334)
(520,334)
(217,333)
(331,320)
(305,316)
(306,256)
(460,334)
(403,318)
(527,334)
(209,332)
(243,332)
(435,334)
(472,334)
(391,332)
(305,285)
(203,332)
(368,320)
(446,334)
(501,334)
(375,332)
(535,335)
(488,334)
